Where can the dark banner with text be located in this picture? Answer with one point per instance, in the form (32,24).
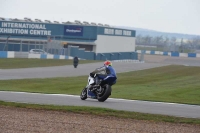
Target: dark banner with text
(73,30)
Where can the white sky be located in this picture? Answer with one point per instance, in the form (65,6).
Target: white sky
(179,16)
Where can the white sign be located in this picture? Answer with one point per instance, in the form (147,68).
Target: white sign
(24,28)
(23,25)
(74,31)
(117,32)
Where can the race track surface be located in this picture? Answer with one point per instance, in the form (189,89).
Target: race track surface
(69,71)
(179,110)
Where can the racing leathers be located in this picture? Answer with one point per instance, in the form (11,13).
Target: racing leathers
(109,77)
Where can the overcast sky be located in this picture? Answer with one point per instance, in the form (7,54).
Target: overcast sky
(179,16)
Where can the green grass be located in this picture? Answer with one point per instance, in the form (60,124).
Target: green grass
(105,112)
(179,84)
(28,63)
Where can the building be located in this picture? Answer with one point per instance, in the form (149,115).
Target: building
(83,39)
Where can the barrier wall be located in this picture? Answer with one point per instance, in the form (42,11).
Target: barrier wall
(173,54)
(5,54)
(117,56)
(12,54)
(75,51)
(81,53)
(92,56)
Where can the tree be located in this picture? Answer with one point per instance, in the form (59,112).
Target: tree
(166,41)
(173,40)
(158,40)
(138,39)
(147,40)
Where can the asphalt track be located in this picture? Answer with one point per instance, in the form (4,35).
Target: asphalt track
(69,71)
(173,109)
(180,110)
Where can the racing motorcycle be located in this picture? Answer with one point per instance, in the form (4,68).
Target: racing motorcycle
(95,91)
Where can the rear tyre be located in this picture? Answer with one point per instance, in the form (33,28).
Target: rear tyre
(83,95)
(104,94)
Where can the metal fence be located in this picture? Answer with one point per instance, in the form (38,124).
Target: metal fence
(57,45)
(50,45)
(166,48)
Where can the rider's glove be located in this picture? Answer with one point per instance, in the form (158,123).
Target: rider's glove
(92,74)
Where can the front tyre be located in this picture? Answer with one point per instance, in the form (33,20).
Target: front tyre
(104,94)
(83,95)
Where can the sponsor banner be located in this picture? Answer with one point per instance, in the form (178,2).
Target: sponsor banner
(73,30)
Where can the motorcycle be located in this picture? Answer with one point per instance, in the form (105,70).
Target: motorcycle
(95,91)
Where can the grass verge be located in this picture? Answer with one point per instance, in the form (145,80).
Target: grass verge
(28,63)
(176,84)
(105,112)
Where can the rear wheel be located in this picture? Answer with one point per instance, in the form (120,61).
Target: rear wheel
(104,93)
(83,95)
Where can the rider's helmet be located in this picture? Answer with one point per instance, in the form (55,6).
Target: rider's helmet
(107,63)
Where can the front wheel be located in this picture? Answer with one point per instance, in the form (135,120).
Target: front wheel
(104,94)
(83,95)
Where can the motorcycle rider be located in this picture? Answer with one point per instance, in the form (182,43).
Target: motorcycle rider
(109,77)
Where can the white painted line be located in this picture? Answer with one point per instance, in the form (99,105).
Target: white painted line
(41,94)
(115,99)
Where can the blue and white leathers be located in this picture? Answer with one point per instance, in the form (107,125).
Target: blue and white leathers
(110,76)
